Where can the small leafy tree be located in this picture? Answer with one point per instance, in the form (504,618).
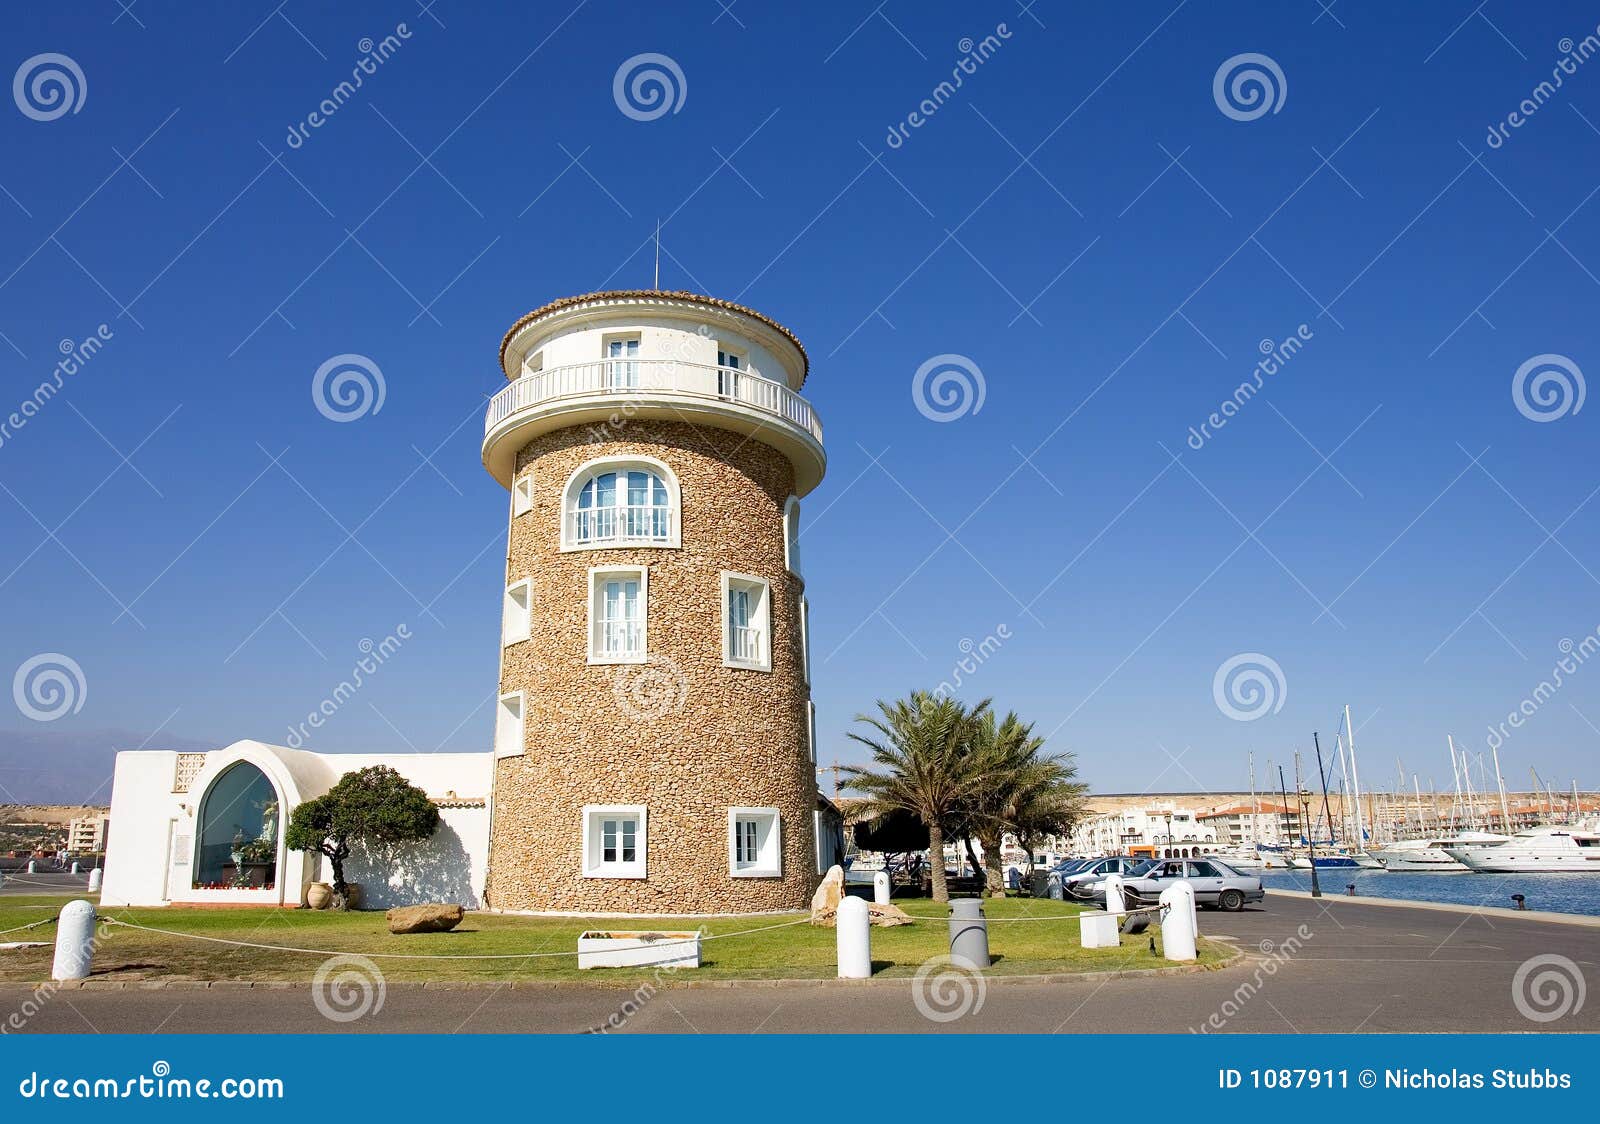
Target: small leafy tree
(375,805)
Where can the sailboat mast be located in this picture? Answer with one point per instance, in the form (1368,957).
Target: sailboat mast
(1455,769)
(1355,775)
(1322,774)
(1255,804)
(1505,810)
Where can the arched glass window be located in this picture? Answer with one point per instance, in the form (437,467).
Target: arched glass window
(238,836)
(631,504)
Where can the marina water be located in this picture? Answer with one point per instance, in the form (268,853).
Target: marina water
(1558,893)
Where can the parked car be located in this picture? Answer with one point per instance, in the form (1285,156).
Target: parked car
(1215,884)
(1086,880)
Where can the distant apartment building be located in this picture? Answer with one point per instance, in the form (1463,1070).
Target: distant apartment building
(1250,824)
(1161,828)
(88,835)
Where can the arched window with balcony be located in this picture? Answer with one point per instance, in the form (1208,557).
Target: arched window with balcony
(621,501)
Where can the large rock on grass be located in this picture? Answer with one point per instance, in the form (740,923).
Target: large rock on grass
(826,899)
(883,916)
(431,918)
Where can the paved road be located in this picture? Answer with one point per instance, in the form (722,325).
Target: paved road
(53,882)
(1356,968)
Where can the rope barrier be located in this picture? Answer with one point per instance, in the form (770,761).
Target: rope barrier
(426,956)
(24,928)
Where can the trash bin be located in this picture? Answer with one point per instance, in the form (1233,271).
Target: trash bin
(1057,893)
(969,934)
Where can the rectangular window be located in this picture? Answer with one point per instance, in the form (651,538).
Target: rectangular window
(622,363)
(516,622)
(754,846)
(521,495)
(811,730)
(747,622)
(508,726)
(805,640)
(618,601)
(614,841)
(729,364)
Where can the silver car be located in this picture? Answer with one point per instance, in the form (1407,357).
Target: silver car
(1215,884)
(1088,882)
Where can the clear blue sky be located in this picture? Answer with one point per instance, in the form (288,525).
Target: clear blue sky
(1426,573)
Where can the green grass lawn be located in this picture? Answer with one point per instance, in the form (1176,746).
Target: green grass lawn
(1019,946)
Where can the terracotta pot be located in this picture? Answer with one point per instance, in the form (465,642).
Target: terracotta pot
(319,895)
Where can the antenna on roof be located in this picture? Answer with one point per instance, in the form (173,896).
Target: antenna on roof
(657,284)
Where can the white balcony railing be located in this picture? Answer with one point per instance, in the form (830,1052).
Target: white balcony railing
(631,523)
(639,378)
(621,639)
(747,644)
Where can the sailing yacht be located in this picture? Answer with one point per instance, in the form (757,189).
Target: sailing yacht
(1547,849)
(1432,855)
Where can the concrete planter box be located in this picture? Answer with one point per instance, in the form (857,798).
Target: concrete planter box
(642,949)
(1099,930)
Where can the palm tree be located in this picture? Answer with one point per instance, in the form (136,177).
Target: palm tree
(1025,792)
(922,763)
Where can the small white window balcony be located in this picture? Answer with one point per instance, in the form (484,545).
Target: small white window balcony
(755,846)
(747,622)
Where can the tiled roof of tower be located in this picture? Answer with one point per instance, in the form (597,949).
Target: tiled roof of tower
(626,294)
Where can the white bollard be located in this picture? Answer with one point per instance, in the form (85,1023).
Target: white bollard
(1114,900)
(853,931)
(74,941)
(1178,929)
(33,867)
(880,888)
(95,877)
(75,869)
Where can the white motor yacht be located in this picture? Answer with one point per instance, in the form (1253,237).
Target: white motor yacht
(1432,856)
(1548,849)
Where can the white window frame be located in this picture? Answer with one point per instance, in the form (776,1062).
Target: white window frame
(516,618)
(625,365)
(811,729)
(761,620)
(768,862)
(598,575)
(791,535)
(594,864)
(522,495)
(805,640)
(510,725)
(621,465)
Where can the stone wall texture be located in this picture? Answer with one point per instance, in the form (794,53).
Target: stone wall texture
(694,738)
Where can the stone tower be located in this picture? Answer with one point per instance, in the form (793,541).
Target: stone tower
(654,731)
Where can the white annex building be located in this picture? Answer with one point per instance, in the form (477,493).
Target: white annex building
(202,828)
